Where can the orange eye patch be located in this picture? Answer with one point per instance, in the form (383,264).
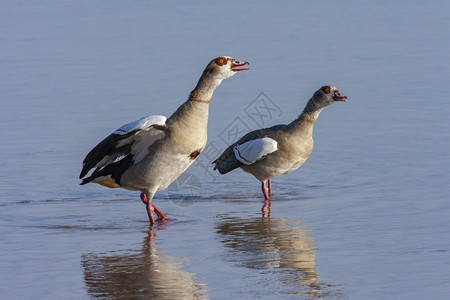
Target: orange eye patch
(326,89)
(221,61)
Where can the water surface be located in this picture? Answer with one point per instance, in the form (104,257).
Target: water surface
(366,217)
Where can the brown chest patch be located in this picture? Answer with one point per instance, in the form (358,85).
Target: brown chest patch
(194,154)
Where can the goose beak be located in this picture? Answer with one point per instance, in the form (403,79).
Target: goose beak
(238,66)
(339,97)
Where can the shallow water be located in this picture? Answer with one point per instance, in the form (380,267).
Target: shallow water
(366,217)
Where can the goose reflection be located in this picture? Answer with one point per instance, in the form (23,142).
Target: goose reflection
(140,274)
(276,247)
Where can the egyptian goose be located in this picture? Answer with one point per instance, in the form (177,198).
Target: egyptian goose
(281,149)
(147,155)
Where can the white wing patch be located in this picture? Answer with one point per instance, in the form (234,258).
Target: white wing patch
(140,124)
(252,151)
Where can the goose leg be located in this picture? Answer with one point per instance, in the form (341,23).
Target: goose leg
(161,216)
(269,185)
(265,191)
(144,198)
(151,208)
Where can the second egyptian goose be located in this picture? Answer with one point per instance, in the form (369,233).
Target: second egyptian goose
(147,155)
(281,149)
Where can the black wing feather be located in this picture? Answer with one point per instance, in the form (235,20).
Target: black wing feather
(106,148)
(115,170)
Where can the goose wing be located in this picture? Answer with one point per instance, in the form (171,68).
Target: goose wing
(252,147)
(132,138)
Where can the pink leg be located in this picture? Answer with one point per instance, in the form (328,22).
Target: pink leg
(161,216)
(267,207)
(265,191)
(269,185)
(150,211)
(153,209)
(144,198)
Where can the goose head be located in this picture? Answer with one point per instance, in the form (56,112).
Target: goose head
(327,95)
(224,67)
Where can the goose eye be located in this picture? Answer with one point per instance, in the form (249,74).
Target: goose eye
(326,89)
(221,61)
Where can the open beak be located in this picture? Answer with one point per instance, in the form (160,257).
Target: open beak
(338,96)
(238,66)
